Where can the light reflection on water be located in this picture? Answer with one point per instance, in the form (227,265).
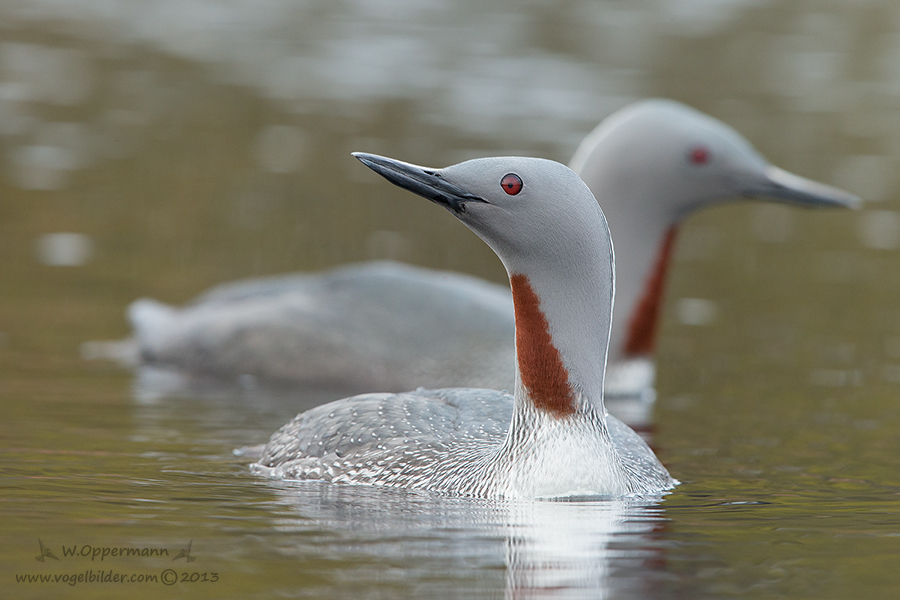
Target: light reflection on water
(557,549)
(176,145)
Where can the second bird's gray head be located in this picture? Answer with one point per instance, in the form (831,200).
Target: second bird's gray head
(675,159)
(527,210)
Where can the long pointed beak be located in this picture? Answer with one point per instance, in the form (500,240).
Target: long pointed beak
(778,183)
(423,181)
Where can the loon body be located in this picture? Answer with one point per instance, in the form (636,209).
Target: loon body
(553,436)
(463,441)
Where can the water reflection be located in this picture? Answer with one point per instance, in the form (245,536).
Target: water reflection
(579,549)
(64,249)
(880,229)
(42,167)
(54,75)
(696,311)
(155,385)
(573,549)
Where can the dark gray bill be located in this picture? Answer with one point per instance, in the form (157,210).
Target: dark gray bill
(423,181)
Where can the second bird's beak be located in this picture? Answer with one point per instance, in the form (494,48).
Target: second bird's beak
(780,184)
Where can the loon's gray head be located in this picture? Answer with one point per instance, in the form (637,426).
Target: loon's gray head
(524,208)
(677,159)
(547,228)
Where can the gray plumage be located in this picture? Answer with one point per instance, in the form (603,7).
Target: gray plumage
(453,440)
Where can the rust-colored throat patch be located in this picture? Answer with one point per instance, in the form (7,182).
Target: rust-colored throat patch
(644,321)
(540,364)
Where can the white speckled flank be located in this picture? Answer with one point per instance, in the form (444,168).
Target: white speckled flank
(553,437)
(460,441)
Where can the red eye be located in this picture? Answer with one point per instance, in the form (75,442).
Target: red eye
(699,155)
(511,184)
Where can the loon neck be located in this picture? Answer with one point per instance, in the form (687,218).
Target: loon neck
(643,322)
(562,333)
(541,371)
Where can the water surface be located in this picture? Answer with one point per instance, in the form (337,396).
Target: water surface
(158,148)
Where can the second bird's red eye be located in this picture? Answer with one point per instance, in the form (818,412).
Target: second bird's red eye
(511,184)
(699,155)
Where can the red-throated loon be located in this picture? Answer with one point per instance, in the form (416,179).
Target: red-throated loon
(553,436)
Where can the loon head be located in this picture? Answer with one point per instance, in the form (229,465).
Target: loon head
(652,164)
(520,206)
(550,233)
(677,159)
